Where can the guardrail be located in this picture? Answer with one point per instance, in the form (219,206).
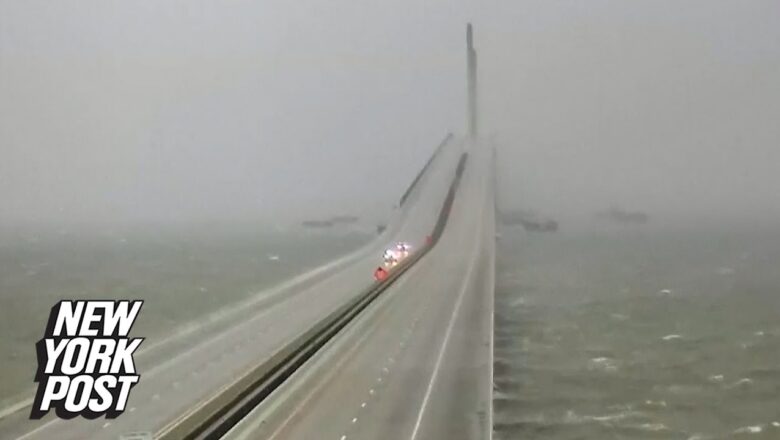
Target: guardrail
(216,415)
(424,169)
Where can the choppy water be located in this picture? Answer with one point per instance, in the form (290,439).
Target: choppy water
(638,335)
(182,273)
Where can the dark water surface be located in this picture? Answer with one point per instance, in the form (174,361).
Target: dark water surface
(182,273)
(638,334)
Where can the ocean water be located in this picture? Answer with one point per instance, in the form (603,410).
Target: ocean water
(182,273)
(638,334)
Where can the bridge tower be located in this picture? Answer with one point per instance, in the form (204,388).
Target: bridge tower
(471,59)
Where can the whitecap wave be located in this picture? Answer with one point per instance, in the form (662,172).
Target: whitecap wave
(654,427)
(603,364)
(656,403)
(572,417)
(754,429)
(744,382)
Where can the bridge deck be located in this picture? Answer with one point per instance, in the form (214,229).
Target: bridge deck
(180,374)
(416,364)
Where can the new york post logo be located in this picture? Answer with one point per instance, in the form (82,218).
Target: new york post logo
(85,359)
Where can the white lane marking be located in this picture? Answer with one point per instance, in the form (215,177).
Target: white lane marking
(440,357)
(106,425)
(204,343)
(344,437)
(363,405)
(132,409)
(268,293)
(222,333)
(7,411)
(321,385)
(331,372)
(354,420)
(38,429)
(492,291)
(371,391)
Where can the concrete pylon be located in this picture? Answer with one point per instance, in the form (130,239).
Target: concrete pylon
(471,59)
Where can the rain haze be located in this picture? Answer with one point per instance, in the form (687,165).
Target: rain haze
(178,111)
(195,154)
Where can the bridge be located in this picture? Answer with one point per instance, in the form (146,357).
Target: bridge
(332,353)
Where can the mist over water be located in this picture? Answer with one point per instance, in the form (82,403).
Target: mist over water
(165,150)
(184,274)
(635,333)
(278,111)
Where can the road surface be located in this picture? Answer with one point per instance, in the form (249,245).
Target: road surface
(417,364)
(178,374)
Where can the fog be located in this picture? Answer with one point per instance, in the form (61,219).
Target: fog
(190,111)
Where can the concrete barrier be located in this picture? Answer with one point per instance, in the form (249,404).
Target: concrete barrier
(216,415)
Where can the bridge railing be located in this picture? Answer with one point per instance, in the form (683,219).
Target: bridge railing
(425,167)
(216,415)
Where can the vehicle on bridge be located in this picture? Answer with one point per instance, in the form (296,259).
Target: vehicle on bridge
(390,257)
(395,254)
(403,248)
(380,273)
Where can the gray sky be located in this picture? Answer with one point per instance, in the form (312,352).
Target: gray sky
(243,110)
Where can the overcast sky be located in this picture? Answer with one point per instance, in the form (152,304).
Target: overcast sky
(243,110)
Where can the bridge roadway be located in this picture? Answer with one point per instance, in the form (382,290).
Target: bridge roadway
(417,364)
(179,372)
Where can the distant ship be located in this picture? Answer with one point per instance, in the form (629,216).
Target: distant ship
(317,223)
(530,221)
(345,219)
(619,215)
(333,221)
